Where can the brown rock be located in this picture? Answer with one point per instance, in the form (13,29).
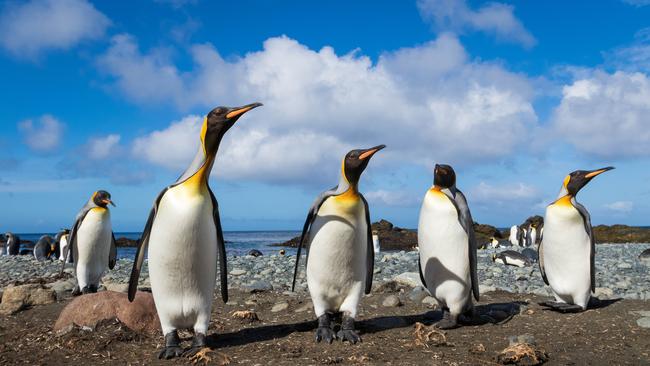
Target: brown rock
(89,310)
(17,298)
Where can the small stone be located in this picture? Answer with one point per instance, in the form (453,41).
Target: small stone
(238,272)
(624,266)
(17,298)
(417,294)
(430,301)
(525,338)
(258,286)
(391,301)
(281,306)
(644,313)
(304,307)
(603,292)
(483,288)
(643,322)
(117,287)
(411,279)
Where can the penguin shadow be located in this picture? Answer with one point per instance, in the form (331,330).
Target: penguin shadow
(258,334)
(594,304)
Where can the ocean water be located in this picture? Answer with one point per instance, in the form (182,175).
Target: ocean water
(237,242)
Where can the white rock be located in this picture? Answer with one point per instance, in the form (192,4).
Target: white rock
(238,272)
(643,322)
(411,279)
(281,306)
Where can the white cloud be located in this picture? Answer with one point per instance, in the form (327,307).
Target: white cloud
(503,193)
(99,148)
(496,18)
(30,28)
(637,3)
(634,56)
(620,206)
(607,115)
(392,198)
(426,103)
(44,135)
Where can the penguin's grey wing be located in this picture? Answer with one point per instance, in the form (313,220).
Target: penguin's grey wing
(311,215)
(221,248)
(142,247)
(370,250)
(72,239)
(540,260)
(112,255)
(592,256)
(466,221)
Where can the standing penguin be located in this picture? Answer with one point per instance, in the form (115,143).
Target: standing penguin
(531,236)
(61,239)
(92,243)
(514,235)
(12,244)
(567,250)
(340,258)
(185,240)
(448,248)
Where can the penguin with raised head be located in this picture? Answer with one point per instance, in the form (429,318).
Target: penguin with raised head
(92,243)
(567,249)
(184,239)
(447,244)
(340,258)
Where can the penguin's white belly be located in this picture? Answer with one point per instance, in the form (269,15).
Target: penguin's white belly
(566,254)
(93,240)
(64,244)
(336,269)
(183,260)
(512,262)
(513,236)
(444,252)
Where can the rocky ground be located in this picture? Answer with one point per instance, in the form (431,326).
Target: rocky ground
(275,326)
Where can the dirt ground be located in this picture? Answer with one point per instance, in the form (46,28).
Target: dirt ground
(607,335)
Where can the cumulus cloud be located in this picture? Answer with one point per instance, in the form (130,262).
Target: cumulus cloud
(607,115)
(44,135)
(29,28)
(500,194)
(494,18)
(637,3)
(620,206)
(426,103)
(392,198)
(102,147)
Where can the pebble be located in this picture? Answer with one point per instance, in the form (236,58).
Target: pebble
(238,272)
(429,300)
(643,322)
(391,301)
(280,306)
(525,338)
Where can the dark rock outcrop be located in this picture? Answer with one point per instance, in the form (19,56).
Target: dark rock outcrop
(126,242)
(621,234)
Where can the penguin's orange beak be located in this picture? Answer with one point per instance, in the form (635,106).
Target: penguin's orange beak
(370,152)
(107,201)
(236,112)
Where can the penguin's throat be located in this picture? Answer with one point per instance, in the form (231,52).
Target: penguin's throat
(198,182)
(565,200)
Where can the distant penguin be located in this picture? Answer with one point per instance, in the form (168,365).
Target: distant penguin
(375,242)
(341,256)
(567,250)
(92,243)
(62,243)
(521,237)
(513,238)
(531,236)
(44,248)
(185,243)
(511,258)
(494,243)
(12,244)
(447,243)
(255,253)
(645,255)
(531,254)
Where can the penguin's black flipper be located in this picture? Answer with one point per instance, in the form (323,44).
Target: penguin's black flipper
(540,260)
(142,247)
(587,221)
(221,248)
(466,221)
(370,250)
(311,215)
(112,255)
(72,239)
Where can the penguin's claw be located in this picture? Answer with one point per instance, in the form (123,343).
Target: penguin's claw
(349,335)
(170,352)
(448,321)
(76,291)
(325,334)
(562,307)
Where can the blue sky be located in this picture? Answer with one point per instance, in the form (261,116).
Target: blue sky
(514,95)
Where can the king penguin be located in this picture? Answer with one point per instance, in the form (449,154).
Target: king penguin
(12,244)
(340,258)
(62,241)
(92,243)
(447,260)
(567,250)
(184,239)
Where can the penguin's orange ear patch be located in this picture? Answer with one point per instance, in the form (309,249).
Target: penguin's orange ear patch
(566,180)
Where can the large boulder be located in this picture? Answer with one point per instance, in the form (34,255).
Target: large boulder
(621,234)
(17,298)
(89,310)
(126,242)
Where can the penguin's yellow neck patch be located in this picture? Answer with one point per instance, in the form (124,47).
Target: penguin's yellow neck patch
(436,190)
(99,210)
(351,195)
(197,184)
(564,201)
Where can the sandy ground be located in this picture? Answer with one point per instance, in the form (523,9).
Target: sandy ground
(607,335)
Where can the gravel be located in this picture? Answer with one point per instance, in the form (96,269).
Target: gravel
(619,272)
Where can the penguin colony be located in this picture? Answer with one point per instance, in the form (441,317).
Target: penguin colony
(183,240)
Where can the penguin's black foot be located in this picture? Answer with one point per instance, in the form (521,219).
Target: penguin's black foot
(172,346)
(76,291)
(198,343)
(562,307)
(347,332)
(324,331)
(448,321)
(90,289)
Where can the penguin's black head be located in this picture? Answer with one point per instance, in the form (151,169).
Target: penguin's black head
(102,199)
(578,179)
(356,161)
(218,121)
(444,176)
